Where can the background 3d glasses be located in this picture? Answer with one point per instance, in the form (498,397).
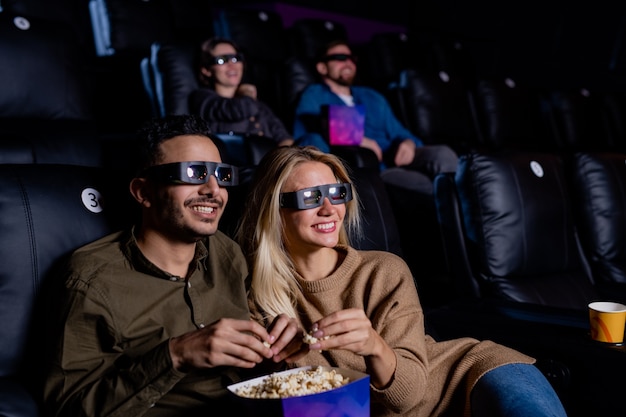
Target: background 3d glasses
(340,57)
(312,197)
(232,58)
(196,172)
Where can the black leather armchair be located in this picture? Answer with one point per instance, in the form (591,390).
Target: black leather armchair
(510,232)
(46,211)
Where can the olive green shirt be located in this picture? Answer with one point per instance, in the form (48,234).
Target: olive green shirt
(118,313)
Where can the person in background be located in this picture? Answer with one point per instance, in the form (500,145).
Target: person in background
(154,320)
(391,142)
(362,307)
(228,104)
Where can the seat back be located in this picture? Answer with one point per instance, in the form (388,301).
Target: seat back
(306,36)
(169,77)
(599,184)
(580,120)
(517,234)
(46,211)
(261,38)
(512,116)
(384,57)
(70,12)
(437,108)
(41,75)
(130,26)
(379,223)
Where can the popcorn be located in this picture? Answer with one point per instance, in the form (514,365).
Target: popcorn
(309,339)
(303,382)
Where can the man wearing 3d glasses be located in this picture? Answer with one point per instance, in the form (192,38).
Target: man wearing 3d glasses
(155,320)
(229,105)
(405,161)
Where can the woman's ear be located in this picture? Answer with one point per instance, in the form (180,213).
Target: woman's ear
(140,192)
(206,72)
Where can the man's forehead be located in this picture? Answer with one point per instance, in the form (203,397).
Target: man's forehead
(338,49)
(189,148)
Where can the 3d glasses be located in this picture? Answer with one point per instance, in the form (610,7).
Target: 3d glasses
(340,57)
(232,58)
(309,198)
(196,172)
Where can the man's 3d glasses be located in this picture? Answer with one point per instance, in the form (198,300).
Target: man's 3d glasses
(339,57)
(309,198)
(196,172)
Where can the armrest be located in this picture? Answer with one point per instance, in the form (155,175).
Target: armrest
(15,401)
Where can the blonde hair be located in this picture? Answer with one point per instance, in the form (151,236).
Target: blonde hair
(260,232)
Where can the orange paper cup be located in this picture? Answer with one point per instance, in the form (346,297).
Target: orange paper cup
(607,320)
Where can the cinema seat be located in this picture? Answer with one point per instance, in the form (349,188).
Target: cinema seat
(509,230)
(46,211)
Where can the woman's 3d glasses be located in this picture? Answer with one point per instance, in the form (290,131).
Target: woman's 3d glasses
(339,57)
(194,173)
(232,58)
(309,198)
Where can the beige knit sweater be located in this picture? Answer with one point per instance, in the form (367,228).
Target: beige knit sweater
(431,378)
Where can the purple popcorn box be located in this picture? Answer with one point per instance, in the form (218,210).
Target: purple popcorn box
(349,400)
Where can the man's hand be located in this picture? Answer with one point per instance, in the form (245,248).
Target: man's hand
(405,153)
(371,144)
(226,342)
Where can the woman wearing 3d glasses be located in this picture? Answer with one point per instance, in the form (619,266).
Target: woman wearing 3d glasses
(361,307)
(226,103)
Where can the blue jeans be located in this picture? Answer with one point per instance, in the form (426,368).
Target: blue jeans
(516,390)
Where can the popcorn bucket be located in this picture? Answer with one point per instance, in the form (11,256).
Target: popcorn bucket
(350,400)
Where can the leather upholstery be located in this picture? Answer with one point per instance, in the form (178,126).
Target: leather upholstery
(260,36)
(172,72)
(124,26)
(580,120)
(519,237)
(600,190)
(27,46)
(430,102)
(386,55)
(511,116)
(46,211)
(380,229)
(306,36)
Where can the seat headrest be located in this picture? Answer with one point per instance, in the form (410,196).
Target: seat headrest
(41,71)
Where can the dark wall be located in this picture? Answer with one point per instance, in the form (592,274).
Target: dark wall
(566,42)
(556,42)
